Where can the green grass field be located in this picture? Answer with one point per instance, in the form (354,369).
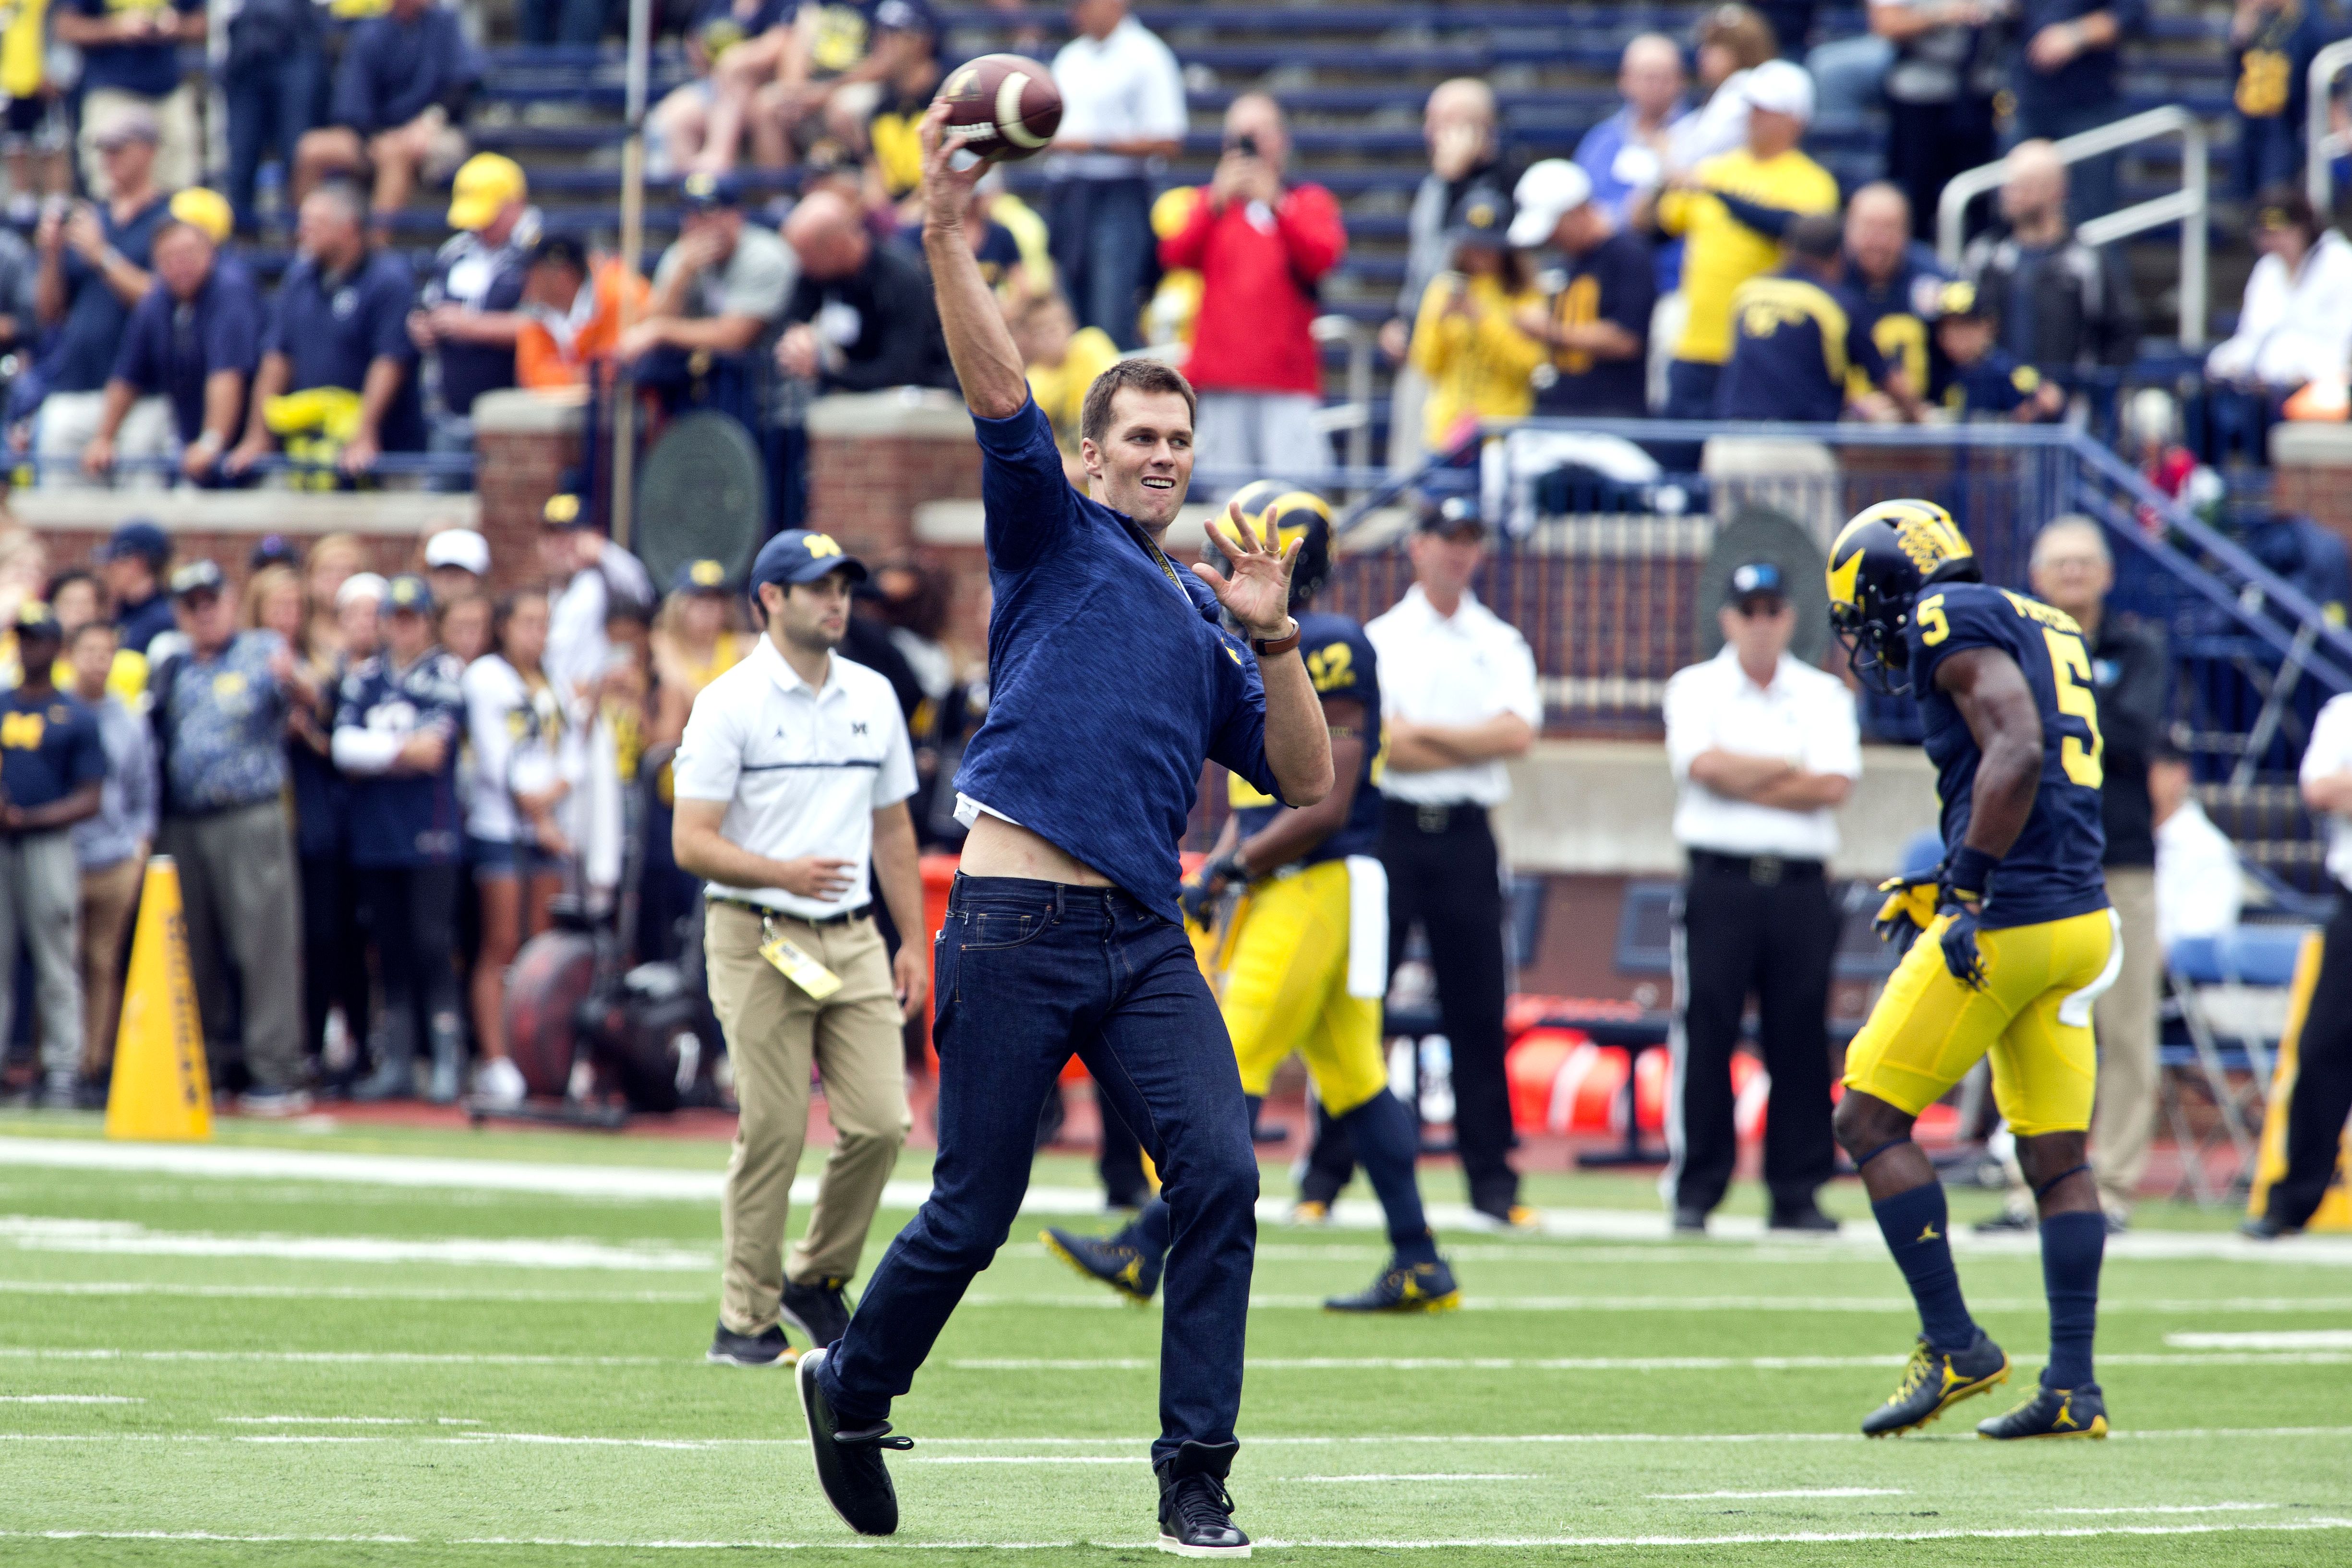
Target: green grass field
(329,1359)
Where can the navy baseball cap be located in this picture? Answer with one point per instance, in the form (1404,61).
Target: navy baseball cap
(709,192)
(1755,580)
(198,576)
(1455,514)
(35,624)
(796,555)
(276,550)
(699,576)
(142,538)
(408,593)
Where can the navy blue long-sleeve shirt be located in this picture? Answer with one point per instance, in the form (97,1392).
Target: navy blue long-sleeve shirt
(1111,680)
(393,71)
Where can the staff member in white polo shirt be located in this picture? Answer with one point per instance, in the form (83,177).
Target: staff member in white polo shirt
(1458,696)
(794,772)
(1764,748)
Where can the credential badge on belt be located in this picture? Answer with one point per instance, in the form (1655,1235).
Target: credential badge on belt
(794,963)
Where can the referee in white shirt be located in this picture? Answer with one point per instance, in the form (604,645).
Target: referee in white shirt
(1764,748)
(1458,696)
(793,771)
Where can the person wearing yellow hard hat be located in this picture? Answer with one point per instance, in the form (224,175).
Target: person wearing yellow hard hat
(472,312)
(191,342)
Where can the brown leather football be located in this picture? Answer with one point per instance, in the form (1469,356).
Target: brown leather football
(1004,107)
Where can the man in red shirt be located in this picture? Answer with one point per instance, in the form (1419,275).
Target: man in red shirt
(1260,248)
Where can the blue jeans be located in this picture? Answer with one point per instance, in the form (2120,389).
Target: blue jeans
(562,21)
(2270,153)
(1103,249)
(270,106)
(1026,973)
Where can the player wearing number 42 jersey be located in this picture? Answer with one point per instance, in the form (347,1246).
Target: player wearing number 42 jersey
(1302,963)
(2014,941)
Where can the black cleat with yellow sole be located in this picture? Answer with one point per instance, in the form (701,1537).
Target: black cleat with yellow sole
(1119,1261)
(2052,1412)
(1936,1381)
(1404,1288)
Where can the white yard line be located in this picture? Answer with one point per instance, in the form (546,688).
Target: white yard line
(1794,1491)
(333,1358)
(69,1399)
(639,1183)
(2177,1508)
(2275,1339)
(1618,1362)
(1810,1537)
(345,1293)
(126,1238)
(1436,1476)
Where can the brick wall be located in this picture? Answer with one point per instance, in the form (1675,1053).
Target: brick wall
(875,457)
(524,444)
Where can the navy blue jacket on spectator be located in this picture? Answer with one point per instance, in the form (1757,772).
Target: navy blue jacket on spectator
(151,71)
(332,328)
(480,277)
(1793,343)
(83,353)
(1898,313)
(401,818)
(2086,81)
(172,348)
(136,625)
(393,71)
(2272,92)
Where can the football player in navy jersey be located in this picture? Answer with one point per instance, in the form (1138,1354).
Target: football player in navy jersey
(1304,959)
(2015,941)
(396,727)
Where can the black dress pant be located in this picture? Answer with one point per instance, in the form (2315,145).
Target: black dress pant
(1445,875)
(334,952)
(1766,929)
(2323,1081)
(1928,143)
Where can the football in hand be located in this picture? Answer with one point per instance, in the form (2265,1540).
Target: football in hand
(1002,108)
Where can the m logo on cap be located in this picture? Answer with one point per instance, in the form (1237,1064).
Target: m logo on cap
(707,573)
(822,545)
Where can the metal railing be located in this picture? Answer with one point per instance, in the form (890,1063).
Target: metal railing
(2321,144)
(2186,206)
(1355,415)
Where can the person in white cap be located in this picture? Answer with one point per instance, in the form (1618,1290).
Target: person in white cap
(457,561)
(1733,207)
(1594,321)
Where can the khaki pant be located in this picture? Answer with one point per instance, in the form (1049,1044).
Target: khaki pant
(68,420)
(773,1032)
(240,893)
(109,896)
(40,900)
(2123,1122)
(179,156)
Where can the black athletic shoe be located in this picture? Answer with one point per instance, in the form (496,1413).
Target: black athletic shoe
(2013,1220)
(2052,1412)
(1809,1219)
(849,1467)
(1113,1260)
(1196,1512)
(819,1311)
(731,1349)
(1934,1382)
(1404,1288)
(1690,1221)
(2266,1227)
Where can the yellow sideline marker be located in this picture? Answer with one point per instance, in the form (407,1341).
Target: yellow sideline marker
(161,1088)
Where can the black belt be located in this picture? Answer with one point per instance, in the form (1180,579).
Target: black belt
(1764,871)
(1443,817)
(767,911)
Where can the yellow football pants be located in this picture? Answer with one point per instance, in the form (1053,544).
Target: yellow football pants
(1284,988)
(2033,1015)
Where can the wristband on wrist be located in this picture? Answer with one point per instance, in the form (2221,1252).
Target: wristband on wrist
(1969,870)
(1267,647)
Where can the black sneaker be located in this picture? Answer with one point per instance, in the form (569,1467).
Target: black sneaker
(1810,1218)
(731,1349)
(819,1311)
(1934,1382)
(849,1467)
(2266,1227)
(1404,1288)
(2013,1220)
(1113,1260)
(1690,1221)
(1196,1512)
(2052,1412)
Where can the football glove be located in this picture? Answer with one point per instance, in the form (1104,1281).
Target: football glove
(1960,940)
(1909,909)
(1200,892)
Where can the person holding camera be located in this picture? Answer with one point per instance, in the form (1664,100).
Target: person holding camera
(792,783)
(1261,247)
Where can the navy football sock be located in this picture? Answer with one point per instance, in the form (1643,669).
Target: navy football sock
(1917,1230)
(1149,1230)
(1387,1144)
(2072,1248)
